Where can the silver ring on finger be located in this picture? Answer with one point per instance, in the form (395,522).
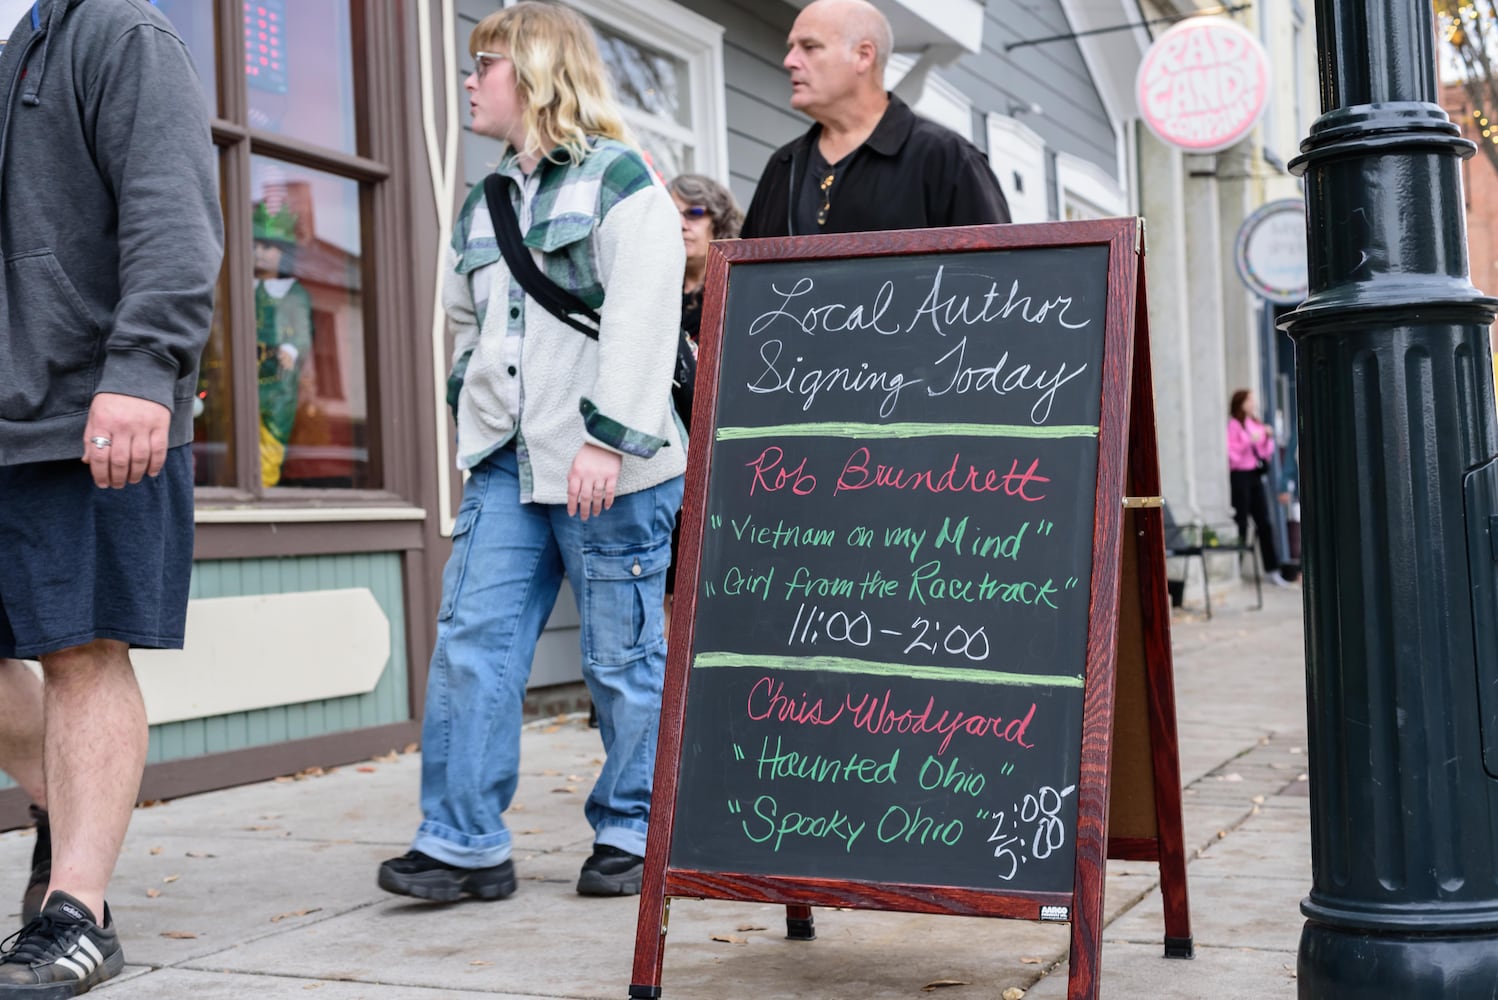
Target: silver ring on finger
(100,441)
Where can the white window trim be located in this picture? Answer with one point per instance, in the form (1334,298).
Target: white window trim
(698,42)
(1090,183)
(939,101)
(1004,134)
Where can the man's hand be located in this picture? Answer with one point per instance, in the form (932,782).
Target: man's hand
(591,482)
(136,434)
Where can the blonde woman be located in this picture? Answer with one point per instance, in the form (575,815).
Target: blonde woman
(575,461)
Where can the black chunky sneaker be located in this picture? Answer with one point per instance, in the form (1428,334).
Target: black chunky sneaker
(62,953)
(423,876)
(611,871)
(41,868)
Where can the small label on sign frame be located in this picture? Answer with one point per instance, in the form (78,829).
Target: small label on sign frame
(1055,913)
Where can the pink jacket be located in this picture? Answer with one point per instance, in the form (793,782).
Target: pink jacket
(1248,442)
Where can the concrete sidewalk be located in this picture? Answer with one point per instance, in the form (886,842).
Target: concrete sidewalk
(268,890)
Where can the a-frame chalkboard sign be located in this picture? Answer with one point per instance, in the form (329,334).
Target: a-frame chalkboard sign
(921,640)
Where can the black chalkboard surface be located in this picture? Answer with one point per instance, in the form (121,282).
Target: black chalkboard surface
(891,674)
(893,587)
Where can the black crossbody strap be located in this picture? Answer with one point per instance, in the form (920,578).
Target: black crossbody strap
(552,297)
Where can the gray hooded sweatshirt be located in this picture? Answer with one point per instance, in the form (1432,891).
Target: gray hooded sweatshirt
(110,226)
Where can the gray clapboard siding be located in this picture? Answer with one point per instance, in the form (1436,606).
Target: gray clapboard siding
(1053,75)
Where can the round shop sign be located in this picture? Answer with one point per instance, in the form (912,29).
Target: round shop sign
(1271,252)
(1203,85)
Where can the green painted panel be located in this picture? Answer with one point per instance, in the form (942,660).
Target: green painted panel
(389,702)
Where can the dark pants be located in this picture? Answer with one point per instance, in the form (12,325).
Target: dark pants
(1249,500)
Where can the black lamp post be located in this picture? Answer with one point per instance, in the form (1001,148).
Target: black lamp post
(1397,438)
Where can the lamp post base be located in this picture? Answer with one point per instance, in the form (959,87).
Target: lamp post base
(1342,963)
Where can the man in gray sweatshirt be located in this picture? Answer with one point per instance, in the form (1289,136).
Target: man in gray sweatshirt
(111,237)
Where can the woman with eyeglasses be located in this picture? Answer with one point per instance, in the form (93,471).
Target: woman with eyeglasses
(575,461)
(708,212)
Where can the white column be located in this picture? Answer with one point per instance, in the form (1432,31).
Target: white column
(1207,392)
(1161,187)
(1240,307)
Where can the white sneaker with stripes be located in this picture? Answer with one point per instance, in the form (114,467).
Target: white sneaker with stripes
(62,953)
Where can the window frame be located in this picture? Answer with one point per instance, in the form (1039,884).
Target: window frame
(697,42)
(377,69)
(1015,148)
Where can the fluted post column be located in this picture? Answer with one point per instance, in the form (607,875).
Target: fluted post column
(1396,409)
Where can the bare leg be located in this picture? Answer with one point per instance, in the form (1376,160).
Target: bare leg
(96,754)
(21,729)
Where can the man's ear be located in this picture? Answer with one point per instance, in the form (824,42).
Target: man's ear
(864,54)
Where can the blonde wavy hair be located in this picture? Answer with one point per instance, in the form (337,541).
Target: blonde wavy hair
(559,76)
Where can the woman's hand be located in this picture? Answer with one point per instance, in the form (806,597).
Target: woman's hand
(591,482)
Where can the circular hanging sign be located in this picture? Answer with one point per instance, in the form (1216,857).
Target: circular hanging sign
(1203,85)
(1271,252)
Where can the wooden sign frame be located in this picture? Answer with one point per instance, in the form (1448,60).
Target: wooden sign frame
(1128,645)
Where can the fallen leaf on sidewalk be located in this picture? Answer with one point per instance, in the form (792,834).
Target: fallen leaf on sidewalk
(200,854)
(1013,993)
(152,893)
(574,777)
(389,758)
(411,748)
(551,729)
(729,939)
(750,927)
(294,913)
(480,961)
(261,827)
(937,984)
(564,790)
(170,879)
(1235,776)
(155,851)
(180,935)
(284,778)
(533,831)
(366,769)
(1032,960)
(1257,800)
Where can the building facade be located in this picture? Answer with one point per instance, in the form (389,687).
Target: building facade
(326,485)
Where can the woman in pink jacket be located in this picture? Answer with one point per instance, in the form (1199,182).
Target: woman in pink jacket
(1250,445)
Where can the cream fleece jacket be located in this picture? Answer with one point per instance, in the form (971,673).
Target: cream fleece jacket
(624,377)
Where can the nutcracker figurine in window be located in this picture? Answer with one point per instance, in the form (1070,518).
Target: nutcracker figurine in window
(283,334)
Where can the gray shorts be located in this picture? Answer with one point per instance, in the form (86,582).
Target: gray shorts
(79,563)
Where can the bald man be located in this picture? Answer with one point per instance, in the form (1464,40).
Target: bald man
(869,163)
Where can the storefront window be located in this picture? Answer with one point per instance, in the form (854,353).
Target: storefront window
(193,20)
(309,328)
(298,61)
(653,87)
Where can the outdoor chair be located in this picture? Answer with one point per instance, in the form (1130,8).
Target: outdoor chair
(1197,541)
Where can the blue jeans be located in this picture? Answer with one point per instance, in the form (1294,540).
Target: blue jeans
(498,589)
